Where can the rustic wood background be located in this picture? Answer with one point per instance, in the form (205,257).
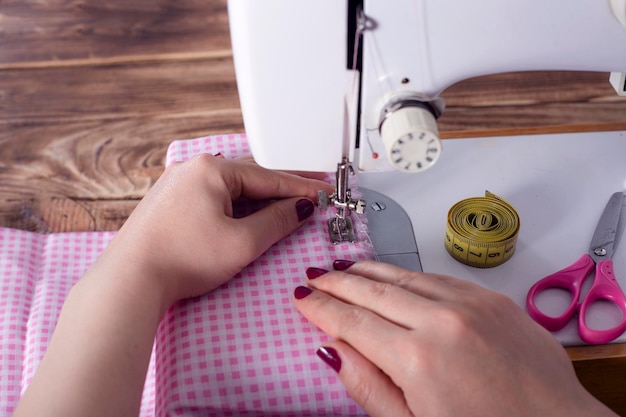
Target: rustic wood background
(92,92)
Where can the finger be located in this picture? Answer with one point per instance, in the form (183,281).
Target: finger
(362,329)
(267,226)
(387,300)
(432,286)
(246,158)
(249,180)
(371,388)
(228,180)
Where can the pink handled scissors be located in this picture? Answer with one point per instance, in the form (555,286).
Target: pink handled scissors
(604,287)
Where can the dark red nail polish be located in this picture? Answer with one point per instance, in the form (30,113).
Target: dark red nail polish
(342,264)
(304,208)
(301,292)
(312,273)
(218,154)
(330,356)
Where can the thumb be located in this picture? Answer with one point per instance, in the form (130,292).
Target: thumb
(272,223)
(370,387)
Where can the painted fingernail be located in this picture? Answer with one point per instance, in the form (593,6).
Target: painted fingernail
(218,154)
(330,356)
(312,273)
(301,292)
(304,208)
(342,264)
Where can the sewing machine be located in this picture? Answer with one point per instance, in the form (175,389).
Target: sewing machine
(317,80)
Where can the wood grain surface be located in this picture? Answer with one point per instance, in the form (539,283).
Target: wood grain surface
(92,92)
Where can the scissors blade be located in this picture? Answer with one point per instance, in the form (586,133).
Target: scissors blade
(604,238)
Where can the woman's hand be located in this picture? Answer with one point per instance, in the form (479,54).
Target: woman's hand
(181,241)
(415,344)
(183,232)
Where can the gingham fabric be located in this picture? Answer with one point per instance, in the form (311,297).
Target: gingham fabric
(242,350)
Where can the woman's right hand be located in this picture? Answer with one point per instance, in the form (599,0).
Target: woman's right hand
(416,344)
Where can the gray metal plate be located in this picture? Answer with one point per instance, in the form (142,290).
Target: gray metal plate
(390,231)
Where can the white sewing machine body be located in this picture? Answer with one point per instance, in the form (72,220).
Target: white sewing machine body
(304,100)
(295,71)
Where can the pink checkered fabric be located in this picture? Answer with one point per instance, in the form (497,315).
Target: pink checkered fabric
(36,274)
(242,350)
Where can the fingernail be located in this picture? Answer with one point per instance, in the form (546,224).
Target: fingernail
(330,356)
(301,292)
(342,264)
(304,208)
(312,273)
(218,154)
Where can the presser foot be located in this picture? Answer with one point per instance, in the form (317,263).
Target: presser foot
(341,230)
(340,226)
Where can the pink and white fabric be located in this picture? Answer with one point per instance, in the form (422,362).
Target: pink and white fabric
(242,350)
(36,274)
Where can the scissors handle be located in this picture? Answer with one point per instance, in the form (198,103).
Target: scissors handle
(605,287)
(571,279)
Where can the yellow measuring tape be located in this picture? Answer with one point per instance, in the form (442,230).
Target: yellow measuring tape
(482,231)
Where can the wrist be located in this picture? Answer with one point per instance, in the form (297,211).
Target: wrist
(583,404)
(102,342)
(594,408)
(129,278)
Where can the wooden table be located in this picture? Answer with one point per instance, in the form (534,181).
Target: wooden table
(91,94)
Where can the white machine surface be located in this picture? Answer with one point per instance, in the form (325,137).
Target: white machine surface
(559,185)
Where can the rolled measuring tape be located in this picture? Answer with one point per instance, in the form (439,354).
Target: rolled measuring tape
(482,231)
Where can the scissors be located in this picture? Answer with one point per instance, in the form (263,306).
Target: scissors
(571,278)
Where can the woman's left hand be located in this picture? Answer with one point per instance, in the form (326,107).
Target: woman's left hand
(181,241)
(183,232)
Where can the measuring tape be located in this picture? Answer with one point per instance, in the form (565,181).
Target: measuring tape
(482,231)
